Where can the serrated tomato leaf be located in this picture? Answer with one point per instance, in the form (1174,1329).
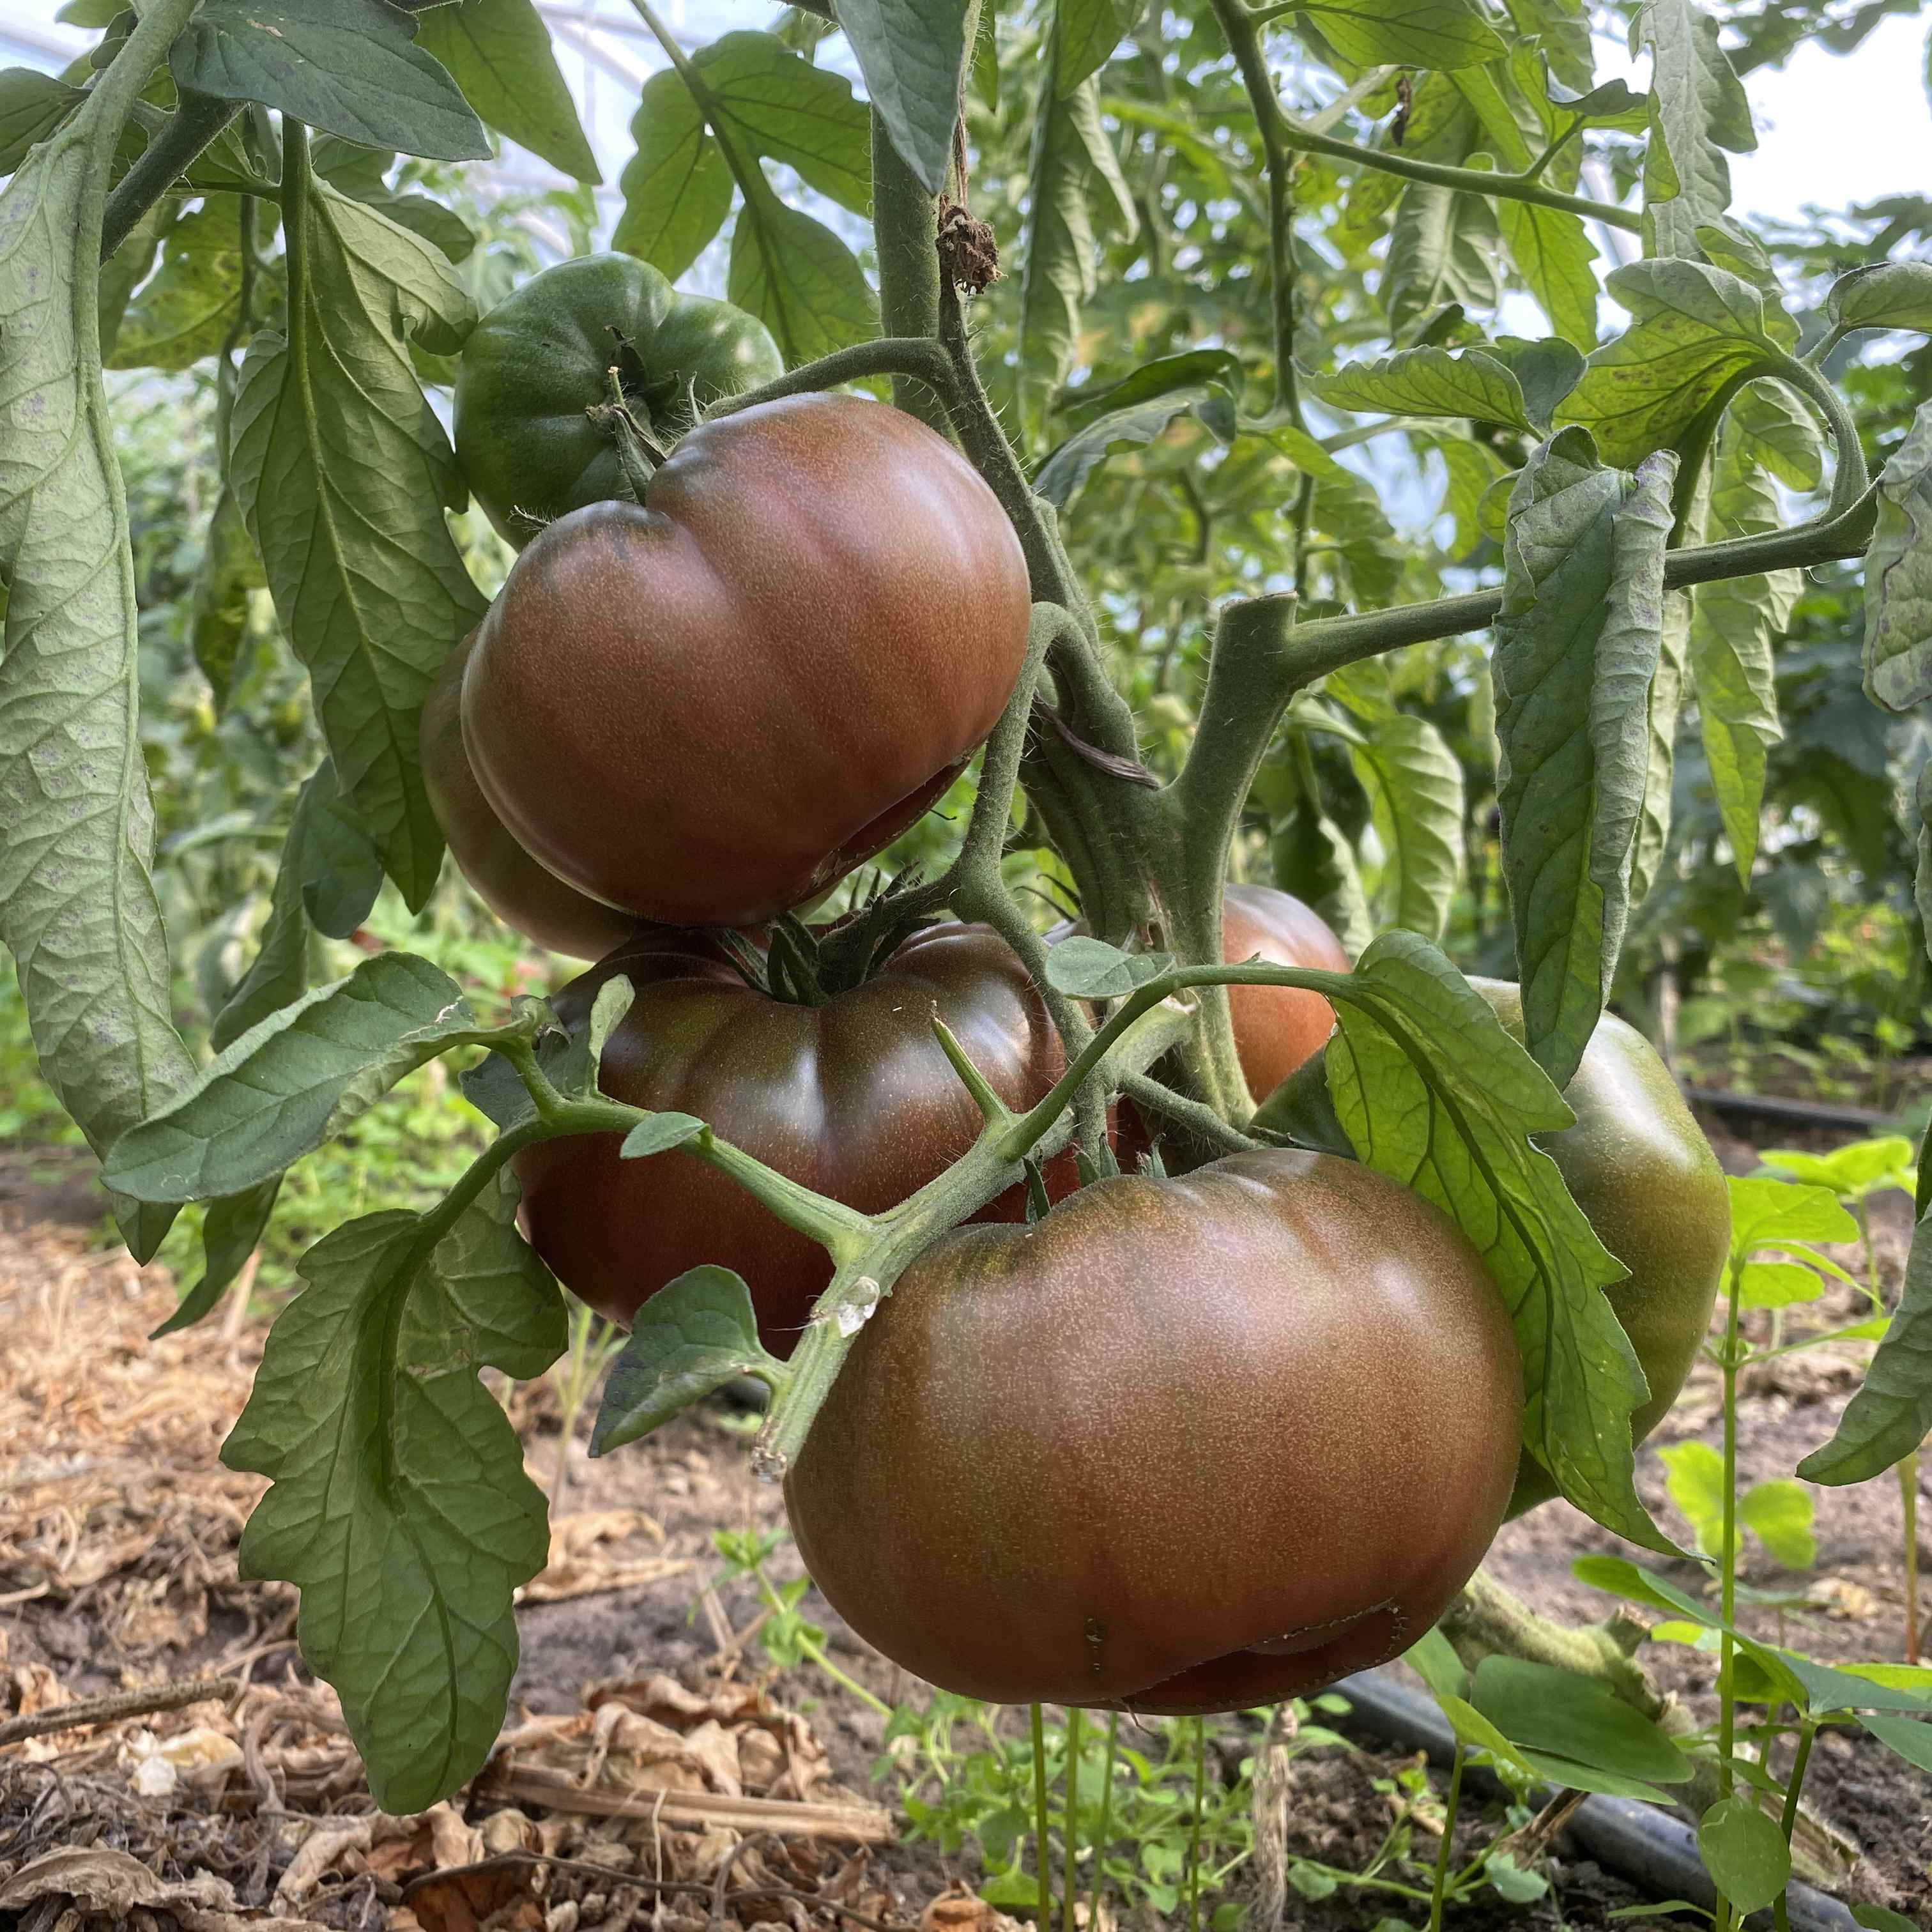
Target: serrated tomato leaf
(296,1079)
(1898,575)
(78,908)
(351,66)
(1458,1135)
(398,1504)
(1577,644)
(343,472)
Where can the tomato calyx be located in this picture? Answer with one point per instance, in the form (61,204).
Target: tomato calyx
(783,963)
(639,453)
(803,965)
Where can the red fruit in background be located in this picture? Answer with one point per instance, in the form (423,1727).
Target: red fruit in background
(1276,1028)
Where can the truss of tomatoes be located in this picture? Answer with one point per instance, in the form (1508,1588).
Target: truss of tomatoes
(1179,1444)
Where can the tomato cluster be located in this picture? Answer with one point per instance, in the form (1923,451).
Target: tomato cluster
(1178,1444)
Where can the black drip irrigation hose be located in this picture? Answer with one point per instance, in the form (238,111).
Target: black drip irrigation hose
(1801,1113)
(1651,1849)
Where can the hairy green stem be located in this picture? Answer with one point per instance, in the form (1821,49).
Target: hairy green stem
(1238,25)
(917,357)
(1244,31)
(1194,1116)
(905,219)
(1852,479)
(1487,1620)
(1333,642)
(196,122)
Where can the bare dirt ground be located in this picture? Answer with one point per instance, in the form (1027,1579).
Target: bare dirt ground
(646,1741)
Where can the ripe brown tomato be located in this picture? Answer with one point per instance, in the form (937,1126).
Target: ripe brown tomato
(1641,1170)
(1180,1445)
(853,1098)
(710,709)
(519,891)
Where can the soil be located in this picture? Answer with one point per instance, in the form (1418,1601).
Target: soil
(117,1532)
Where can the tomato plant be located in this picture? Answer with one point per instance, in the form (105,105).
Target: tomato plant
(1073,364)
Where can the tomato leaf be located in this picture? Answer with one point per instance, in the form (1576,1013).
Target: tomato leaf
(343,472)
(691,1337)
(1428,382)
(1694,329)
(1734,624)
(78,909)
(1313,857)
(1090,969)
(1744,1852)
(1698,108)
(1089,31)
(1071,156)
(774,103)
(1458,1135)
(330,874)
(498,52)
(676,186)
(1414,784)
(231,1232)
(1137,411)
(1577,643)
(1666,703)
(32,105)
(217,622)
(298,1078)
(658,1133)
(1887,295)
(1546,368)
(1891,1414)
(1438,34)
(1898,576)
(798,278)
(351,66)
(183,312)
(910,53)
(399,1505)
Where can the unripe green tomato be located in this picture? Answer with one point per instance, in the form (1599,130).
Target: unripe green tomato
(1641,1170)
(542,358)
(1185,1445)
(521,892)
